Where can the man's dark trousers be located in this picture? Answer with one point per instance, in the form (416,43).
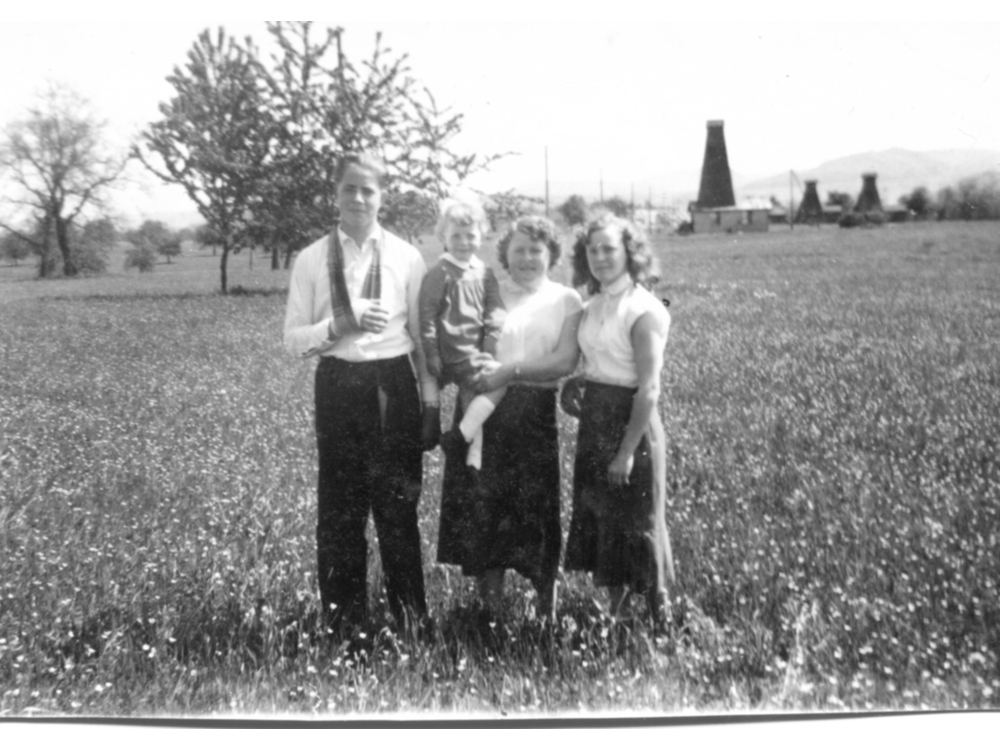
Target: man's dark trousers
(370,460)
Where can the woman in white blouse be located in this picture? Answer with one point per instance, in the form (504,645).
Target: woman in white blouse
(618,530)
(507,514)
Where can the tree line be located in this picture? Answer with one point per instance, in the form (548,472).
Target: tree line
(253,140)
(972,198)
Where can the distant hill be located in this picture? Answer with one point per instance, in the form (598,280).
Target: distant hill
(898,170)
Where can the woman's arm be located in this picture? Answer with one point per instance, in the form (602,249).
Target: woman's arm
(558,363)
(648,343)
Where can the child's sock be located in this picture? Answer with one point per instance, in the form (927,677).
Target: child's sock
(471,427)
(474,457)
(477,414)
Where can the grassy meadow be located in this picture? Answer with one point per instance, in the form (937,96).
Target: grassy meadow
(832,403)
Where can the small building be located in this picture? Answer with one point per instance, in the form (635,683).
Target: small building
(730,219)
(777,215)
(896,213)
(832,212)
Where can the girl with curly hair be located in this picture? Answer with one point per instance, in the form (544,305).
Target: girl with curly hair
(618,529)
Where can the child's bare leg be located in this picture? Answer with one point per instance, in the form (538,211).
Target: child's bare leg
(471,426)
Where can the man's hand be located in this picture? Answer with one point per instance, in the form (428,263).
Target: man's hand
(375,318)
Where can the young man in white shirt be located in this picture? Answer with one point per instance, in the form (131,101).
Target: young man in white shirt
(352,301)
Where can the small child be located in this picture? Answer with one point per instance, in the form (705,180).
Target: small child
(461,314)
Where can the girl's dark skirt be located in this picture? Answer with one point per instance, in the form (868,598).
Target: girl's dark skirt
(507,514)
(618,534)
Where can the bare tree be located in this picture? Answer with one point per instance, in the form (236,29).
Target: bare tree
(58,167)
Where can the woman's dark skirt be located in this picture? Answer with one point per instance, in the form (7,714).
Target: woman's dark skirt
(618,534)
(507,514)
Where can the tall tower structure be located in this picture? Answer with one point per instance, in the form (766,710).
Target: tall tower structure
(810,210)
(716,181)
(868,201)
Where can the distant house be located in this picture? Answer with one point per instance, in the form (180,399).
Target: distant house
(896,213)
(832,212)
(730,219)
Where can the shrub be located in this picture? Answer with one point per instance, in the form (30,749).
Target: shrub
(142,257)
(91,258)
(850,220)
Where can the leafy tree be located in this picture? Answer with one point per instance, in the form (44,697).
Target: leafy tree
(919,202)
(410,213)
(100,232)
(158,237)
(255,145)
(616,205)
(59,168)
(14,247)
(141,256)
(972,198)
(324,106)
(214,137)
(206,236)
(503,208)
(844,200)
(187,234)
(93,243)
(574,210)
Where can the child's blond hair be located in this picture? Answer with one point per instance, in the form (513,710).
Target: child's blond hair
(462,208)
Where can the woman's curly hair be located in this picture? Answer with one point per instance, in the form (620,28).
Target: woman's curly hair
(538,229)
(641,263)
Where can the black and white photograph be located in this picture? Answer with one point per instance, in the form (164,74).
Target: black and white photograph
(579,366)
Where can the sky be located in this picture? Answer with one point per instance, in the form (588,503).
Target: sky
(617,93)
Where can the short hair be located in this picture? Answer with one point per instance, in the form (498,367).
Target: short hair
(538,229)
(640,263)
(365,160)
(464,210)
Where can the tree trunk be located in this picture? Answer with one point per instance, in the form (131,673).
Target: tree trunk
(275,259)
(222,266)
(62,237)
(46,263)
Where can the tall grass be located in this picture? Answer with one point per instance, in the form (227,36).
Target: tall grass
(833,409)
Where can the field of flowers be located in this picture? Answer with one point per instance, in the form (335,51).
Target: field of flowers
(832,401)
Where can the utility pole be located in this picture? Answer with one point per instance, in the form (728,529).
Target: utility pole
(791,204)
(546,182)
(649,210)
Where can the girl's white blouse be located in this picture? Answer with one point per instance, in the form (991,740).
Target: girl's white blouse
(606,331)
(534,319)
